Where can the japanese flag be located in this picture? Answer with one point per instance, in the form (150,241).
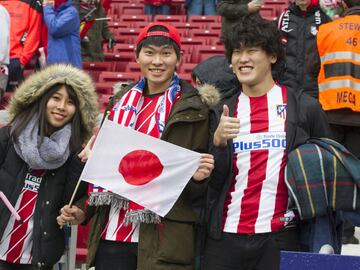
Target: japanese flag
(146,170)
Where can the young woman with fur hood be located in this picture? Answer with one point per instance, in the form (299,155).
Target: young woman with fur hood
(51,115)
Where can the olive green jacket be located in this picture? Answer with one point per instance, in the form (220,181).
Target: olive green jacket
(170,245)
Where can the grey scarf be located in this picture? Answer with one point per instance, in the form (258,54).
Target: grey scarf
(52,153)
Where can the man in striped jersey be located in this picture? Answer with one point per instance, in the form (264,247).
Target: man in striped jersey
(257,125)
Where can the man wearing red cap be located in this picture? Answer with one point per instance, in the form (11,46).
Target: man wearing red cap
(166,107)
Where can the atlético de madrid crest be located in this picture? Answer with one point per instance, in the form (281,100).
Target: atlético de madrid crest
(281,111)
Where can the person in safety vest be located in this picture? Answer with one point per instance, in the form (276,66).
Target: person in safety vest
(339,81)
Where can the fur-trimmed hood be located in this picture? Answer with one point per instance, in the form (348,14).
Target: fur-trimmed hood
(39,82)
(209,94)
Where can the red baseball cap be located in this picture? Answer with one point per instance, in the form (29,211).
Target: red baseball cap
(173,34)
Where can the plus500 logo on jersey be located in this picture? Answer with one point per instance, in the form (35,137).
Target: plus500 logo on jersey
(260,141)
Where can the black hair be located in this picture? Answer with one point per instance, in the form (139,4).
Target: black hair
(39,106)
(158,41)
(352,3)
(253,31)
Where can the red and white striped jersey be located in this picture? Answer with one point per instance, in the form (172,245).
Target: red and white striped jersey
(258,198)
(115,230)
(146,122)
(16,242)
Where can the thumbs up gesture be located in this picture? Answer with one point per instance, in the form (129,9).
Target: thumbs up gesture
(227,129)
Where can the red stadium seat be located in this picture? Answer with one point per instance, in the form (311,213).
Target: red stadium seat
(98,66)
(135,9)
(132,67)
(192,41)
(279,5)
(135,18)
(210,36)
(128,35)
(187,68)
(116,24)
(186,25)
(124,48)
(170,18)
(104,87)
(201,53)
(122,1)
(268,12)
(119,59)
(116,77)
(139,25)
(118,9)
(213,26)
(94,68)
(204,19)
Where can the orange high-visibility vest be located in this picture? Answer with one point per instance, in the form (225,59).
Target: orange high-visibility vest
(339,78)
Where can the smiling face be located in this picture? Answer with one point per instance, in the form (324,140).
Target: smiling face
(60,109)
(158,64)
(252,67)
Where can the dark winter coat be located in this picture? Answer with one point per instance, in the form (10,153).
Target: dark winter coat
(298,33)
(304,119)
(57,185)
(55,191)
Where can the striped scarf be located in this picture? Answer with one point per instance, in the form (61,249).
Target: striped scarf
(125,112)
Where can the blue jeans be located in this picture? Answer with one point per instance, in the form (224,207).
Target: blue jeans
(201,7)
(153,10)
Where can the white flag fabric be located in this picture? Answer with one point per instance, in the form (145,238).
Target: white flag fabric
(143,169)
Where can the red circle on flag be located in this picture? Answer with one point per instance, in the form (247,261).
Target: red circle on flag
(140,167)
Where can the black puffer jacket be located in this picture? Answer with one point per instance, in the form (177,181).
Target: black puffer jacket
(55,191)
(298,33)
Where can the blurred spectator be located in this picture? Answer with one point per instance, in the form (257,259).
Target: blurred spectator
(200,7)
(298,26)
(4,48)
(63,23)
(339,48)
(91,44)
(154,7)
(25,25)
(331,8)
(231,11)
(106,5)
